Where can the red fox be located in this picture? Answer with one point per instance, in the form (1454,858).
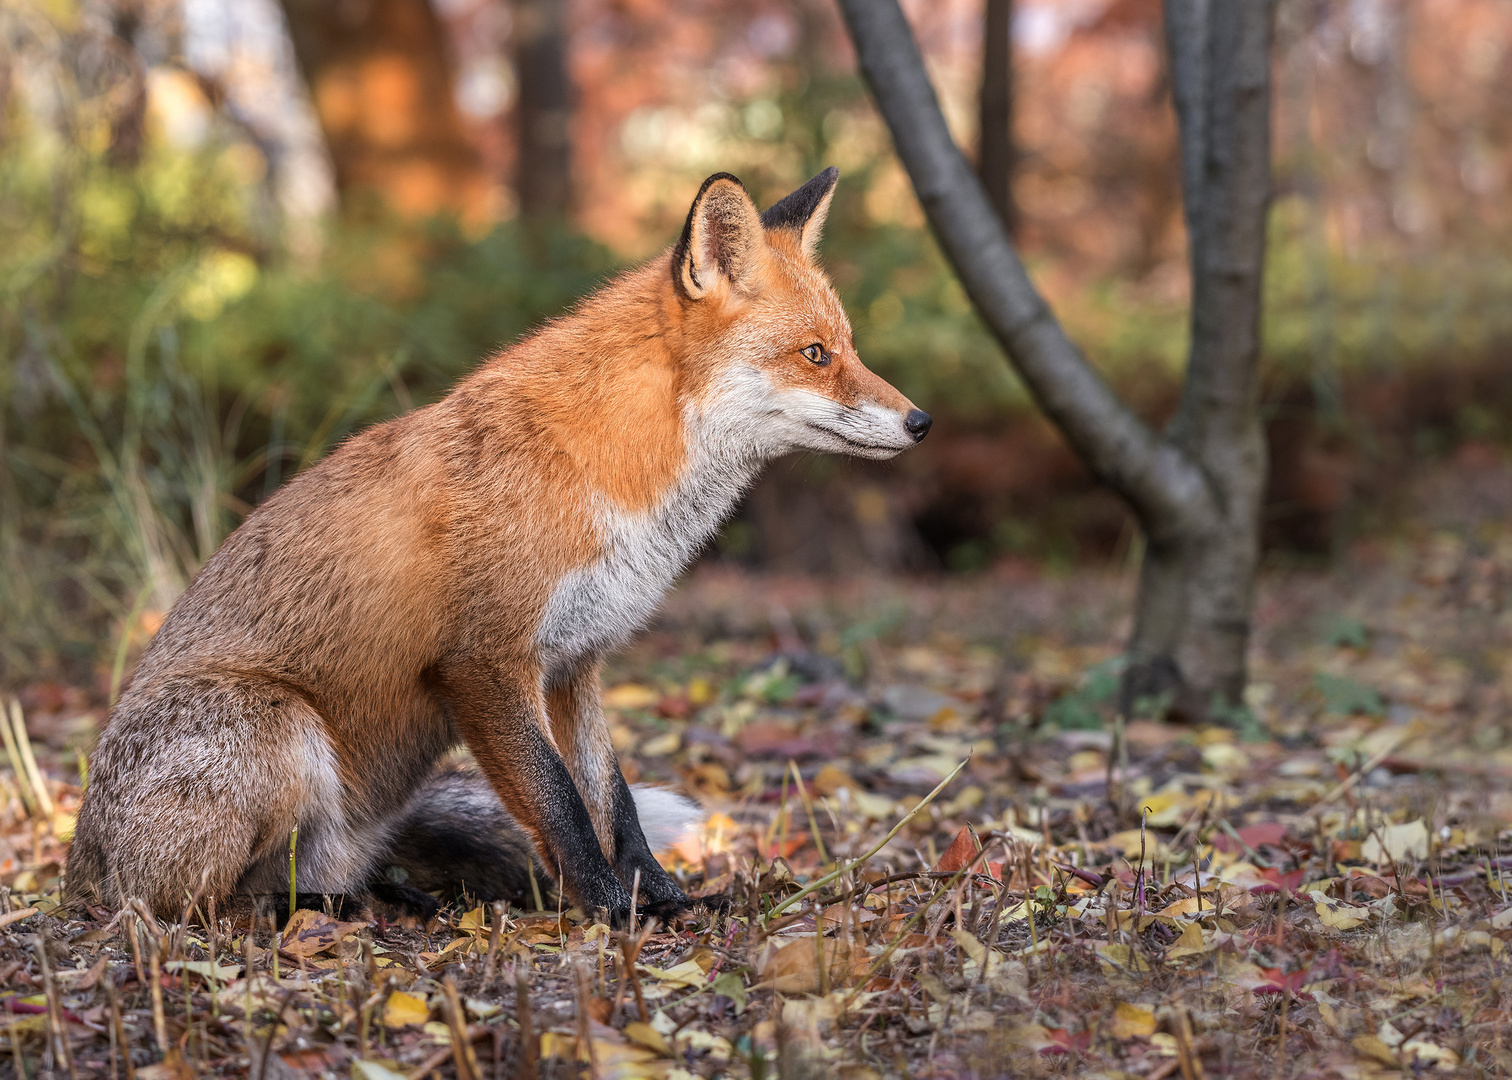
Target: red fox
(457,575)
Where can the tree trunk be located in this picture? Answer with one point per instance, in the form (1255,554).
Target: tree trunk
(1196,489)
(381,84)
(543,178)
(997,154)
(1196,596)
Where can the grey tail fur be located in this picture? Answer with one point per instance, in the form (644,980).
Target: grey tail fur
(455,838)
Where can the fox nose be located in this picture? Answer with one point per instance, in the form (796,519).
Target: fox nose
(916,423)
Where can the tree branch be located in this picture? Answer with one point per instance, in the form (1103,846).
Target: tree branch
(1167,491)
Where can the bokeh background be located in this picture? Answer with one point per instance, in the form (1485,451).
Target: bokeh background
(234,231)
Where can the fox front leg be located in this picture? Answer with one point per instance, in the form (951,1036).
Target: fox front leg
(582,733)
(503,722)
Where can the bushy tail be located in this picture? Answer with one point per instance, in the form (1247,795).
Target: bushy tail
(455,837)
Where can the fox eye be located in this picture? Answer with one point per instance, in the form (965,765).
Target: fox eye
(815,354)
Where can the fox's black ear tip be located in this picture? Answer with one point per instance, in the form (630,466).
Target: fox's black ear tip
(793,211)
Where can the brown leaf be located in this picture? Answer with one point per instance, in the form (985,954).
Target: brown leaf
(961,851)
(311,932)
(793,968)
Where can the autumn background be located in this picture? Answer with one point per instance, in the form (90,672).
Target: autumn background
(233,233)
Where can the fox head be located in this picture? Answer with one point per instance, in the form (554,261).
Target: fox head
(763,317)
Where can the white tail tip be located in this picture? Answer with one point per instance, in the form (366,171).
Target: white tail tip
(665,816)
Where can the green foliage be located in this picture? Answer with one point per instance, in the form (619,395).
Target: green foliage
(1346,697)
(1342,630)
(165,365)
(1083,709)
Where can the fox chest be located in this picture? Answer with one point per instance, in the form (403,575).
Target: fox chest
(596,608)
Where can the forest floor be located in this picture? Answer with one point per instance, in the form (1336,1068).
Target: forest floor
(1316,889)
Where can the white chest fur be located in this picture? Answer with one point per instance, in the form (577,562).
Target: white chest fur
(596,608)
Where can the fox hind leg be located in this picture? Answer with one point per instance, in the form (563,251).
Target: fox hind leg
(194,789)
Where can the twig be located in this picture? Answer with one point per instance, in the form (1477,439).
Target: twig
(808,808)
(494,933)
(262,1064)
(876,965)
(55,1024)
(528,1047)
(839,871)
(430,1064)
(1364,770)
(456,1020)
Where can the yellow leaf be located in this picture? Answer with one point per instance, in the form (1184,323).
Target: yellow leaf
(1164,1045)
(1337,915)
(1190,943)
(688,974)
(370,1070)
(1423,1052)
(403,1009)
(1187,906)
(1397,842)
(555,1044)
(661,745)
(474,921)
(630,696)
(1132,1021)
(1166,808)
(971,945)
(700,691)
(205,969)
(1121,957)
(647,1036)
(1372,1047)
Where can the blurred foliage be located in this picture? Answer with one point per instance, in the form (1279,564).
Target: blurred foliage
(165,362)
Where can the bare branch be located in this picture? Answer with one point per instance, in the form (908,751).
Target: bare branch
(1166,490)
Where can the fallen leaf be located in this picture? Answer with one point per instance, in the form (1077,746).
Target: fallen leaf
(688,974)
(1337,915)
(630,696)
(1408,840)
(403,1009)
(16,916)
(205,969)
(1372,1047)
(793,968)
(645,1035)
(311,932)
(368,1070)
(962,850)
(1190,943)
(1132,1021)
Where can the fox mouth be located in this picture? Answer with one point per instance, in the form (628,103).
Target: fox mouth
(851,440)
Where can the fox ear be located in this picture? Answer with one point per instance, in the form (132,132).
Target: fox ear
(722,237)
(805,210)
